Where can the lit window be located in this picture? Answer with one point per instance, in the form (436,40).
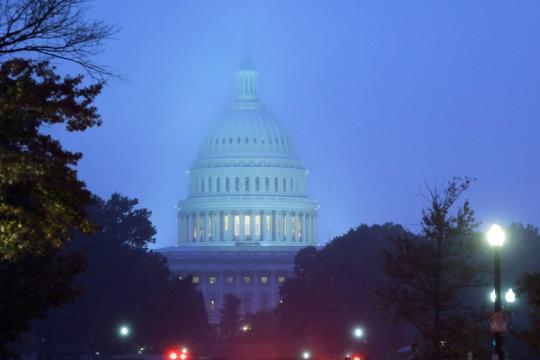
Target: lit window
(285,225)
(236,225)
(293,226)
(225,222)
(212,279)
(227,184)
(237,184)
(201,227)
(195,279)
(266,184)
(229,280)
(281,279)
(257,225)
(247,279)
(212,305)
(268,222)
(264,279)
(257,184)
(247,225)
(300,230)
(246,184)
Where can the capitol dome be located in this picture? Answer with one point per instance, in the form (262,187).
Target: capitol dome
(247,187)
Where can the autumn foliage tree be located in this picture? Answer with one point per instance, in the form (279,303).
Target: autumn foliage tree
(42,202)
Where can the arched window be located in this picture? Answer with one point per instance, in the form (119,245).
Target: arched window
(236,226)
(225,223)
(257,226)
(247,225)
(268,223)
(293,227)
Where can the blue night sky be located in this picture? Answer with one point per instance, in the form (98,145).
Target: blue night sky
(380,97)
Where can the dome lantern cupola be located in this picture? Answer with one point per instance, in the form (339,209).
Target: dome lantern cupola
(247,83)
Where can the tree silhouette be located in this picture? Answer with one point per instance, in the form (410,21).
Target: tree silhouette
(230,316)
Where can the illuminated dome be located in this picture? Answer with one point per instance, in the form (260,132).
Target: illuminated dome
(247,186)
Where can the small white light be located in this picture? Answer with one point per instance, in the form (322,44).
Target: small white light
(124,331)
(510,296)
(492,296)
(496,236)
(306,355)
(358,332)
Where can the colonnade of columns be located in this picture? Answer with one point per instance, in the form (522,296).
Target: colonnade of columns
(247,226)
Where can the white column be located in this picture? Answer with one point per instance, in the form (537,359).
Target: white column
(241,237)
(264,231)
(304,226)
(190,228)
(252,225)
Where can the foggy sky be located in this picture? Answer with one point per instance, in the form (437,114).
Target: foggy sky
(380,98)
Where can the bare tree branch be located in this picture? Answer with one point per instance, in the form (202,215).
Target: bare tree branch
(56,29)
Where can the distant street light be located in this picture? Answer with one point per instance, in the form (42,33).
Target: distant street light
(358,332)
(306,355)
(246,328)
(124,331)
(496,238)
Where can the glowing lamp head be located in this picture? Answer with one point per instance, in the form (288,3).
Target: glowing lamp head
(492,296)
(173,355)
(358,332)
(510,296)
(123,331)
(306,355)
(357,357)
(496,236)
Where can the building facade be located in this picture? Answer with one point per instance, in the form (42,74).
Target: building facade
(247,212)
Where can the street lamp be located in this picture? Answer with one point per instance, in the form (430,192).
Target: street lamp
(496,237)
(510,296)
(124,331)
(358,332)
(306,355)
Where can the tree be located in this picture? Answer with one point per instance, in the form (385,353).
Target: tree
(230,316)
(52,28)
(429,275)
(41,200)
(124,283)
(331,292)
(529,286)
(42,203)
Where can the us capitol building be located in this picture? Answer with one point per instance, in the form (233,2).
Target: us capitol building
(247,212)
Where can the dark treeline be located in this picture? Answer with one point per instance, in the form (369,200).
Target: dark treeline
(124,284)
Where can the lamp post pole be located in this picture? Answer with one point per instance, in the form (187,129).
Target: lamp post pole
(496,238)
(497,305)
